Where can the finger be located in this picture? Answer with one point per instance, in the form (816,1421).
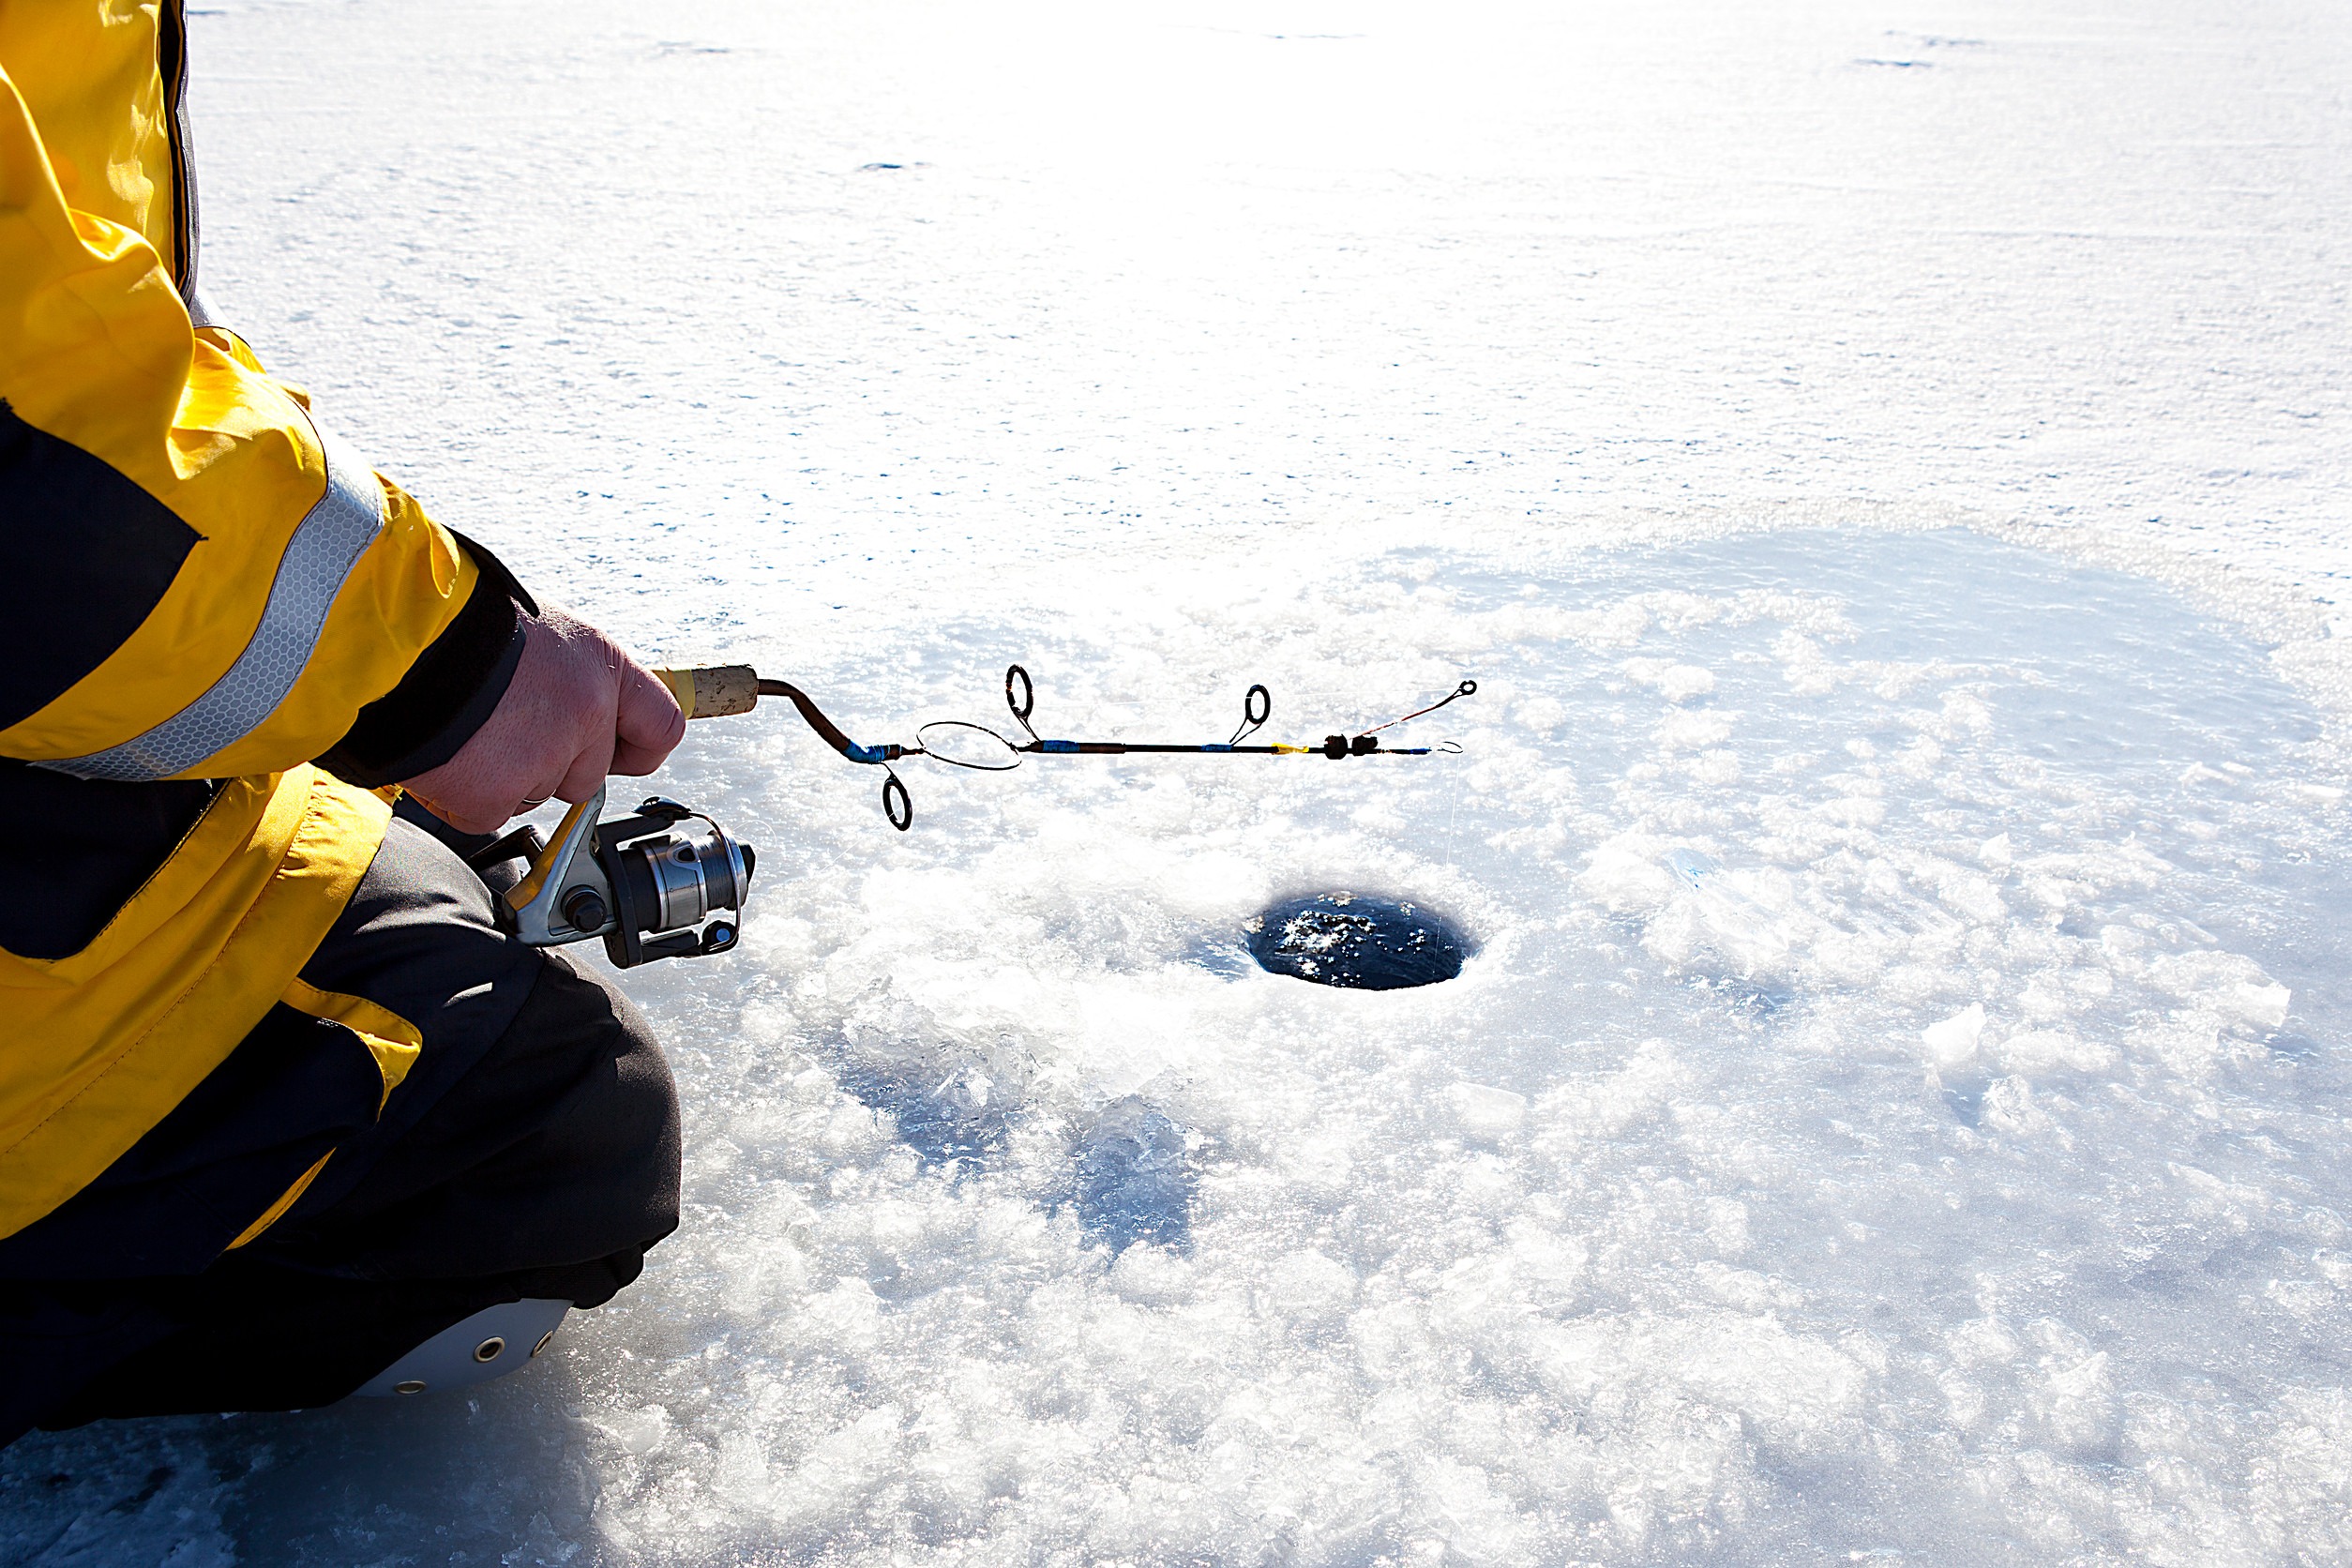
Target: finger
(587,772)
(634,759)
(463,820)
(539,796)
(648,721)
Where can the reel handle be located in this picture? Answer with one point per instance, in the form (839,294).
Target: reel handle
(713,691)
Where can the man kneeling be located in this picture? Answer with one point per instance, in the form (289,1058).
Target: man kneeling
(281,1101)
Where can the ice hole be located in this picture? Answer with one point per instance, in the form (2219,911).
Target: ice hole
(1355,943)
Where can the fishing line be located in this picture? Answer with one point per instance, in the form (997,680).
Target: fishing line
(1468,688)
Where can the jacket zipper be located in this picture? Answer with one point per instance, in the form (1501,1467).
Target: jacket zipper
(172,63)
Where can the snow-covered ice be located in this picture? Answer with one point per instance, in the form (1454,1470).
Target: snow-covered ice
(1882,464)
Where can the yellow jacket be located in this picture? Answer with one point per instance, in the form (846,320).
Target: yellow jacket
(197,582)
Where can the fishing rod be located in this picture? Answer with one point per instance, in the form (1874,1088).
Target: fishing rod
(653,886)
(710,693)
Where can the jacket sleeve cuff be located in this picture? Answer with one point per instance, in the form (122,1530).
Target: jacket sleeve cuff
(447,694)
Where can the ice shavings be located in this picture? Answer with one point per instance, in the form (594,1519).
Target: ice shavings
(1601,1250)
(1905,1108)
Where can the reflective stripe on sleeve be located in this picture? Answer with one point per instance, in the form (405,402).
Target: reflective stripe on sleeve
(326,544)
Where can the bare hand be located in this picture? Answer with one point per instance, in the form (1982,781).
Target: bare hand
(579,708)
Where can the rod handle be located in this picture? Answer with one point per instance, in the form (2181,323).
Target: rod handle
(714,691)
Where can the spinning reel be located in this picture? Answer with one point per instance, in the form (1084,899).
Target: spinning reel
(664,883)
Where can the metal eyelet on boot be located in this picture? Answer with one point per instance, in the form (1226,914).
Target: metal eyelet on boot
(488,1349)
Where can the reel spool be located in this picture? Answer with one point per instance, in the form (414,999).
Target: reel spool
(654,884)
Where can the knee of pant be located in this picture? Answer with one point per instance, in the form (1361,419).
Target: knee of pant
(625,1092)
(619,1115)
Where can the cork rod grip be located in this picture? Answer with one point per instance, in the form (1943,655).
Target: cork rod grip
(714,692)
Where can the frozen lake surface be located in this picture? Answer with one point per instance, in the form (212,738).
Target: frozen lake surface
(1899,1101)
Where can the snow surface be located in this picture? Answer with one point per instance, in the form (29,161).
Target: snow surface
(1883,464)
